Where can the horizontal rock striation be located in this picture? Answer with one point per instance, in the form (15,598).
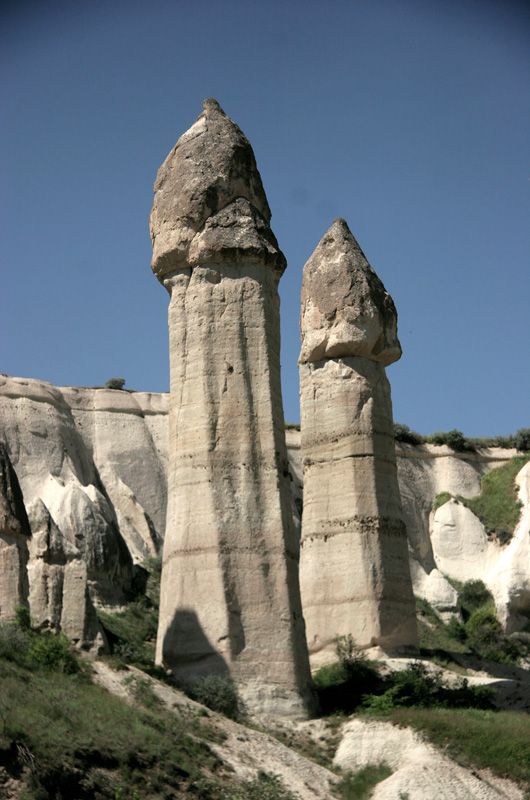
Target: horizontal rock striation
(230,596)
(354,569)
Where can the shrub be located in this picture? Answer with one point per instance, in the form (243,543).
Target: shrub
(416,687)
(340,686)
(522,439)
(471,596)
(453,439)
(115,383)
(14,643)
(402,433)
(486,639)
(219,693)
(52,651)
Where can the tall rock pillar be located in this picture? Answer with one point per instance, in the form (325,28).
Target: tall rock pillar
(354,569)
(230,600)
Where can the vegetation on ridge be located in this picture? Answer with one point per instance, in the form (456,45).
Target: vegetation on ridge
(497,506)
(457,441)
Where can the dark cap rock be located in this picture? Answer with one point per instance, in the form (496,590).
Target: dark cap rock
(209,201)
(346,310)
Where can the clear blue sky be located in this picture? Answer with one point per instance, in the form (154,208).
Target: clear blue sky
(411,119)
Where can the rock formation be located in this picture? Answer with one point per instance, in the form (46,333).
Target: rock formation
(77,551)
(354,569)
(230,595)
(14,536)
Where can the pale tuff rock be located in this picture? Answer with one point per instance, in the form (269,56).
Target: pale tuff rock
(209,199)
(346,310)
(354,569)
(56,438)
(509,578)
(419,770)
(59,595)
(229,596)
(14,536)
(461,547)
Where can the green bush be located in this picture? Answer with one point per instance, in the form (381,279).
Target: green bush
(52,651)
(35,650)
(486,638)
(402,433)
(453,439)
(115,383)
(340,686)
(472,595)
(219,693)
(522,439)
(416,687)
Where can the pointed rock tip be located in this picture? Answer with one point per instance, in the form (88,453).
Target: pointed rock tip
(211,104)
(340,223)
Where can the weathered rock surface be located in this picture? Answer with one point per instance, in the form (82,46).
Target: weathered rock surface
(14,536)
(229,595)
(419,770)
(354,569)
(346,310)
(84,457)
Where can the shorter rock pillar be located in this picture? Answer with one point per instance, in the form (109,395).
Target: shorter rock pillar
(354,569)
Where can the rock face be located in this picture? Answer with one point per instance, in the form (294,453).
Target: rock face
(84,458)
(354,570)
(230,595)
(14,537)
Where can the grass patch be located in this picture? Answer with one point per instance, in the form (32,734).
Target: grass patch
(81,742)
(496,740)
(497,506)
(360,784)
(440,500)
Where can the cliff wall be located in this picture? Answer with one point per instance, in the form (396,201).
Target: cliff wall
(96,459)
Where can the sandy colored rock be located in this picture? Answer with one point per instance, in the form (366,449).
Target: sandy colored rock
(14,536)
(419,770)
(59,596)
(346,310)
(209,198)
(230,600)
(354,569)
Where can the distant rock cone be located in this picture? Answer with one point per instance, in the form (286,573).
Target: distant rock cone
(230,601)
(354,569)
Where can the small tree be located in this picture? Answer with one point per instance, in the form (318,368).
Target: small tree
(115,383)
